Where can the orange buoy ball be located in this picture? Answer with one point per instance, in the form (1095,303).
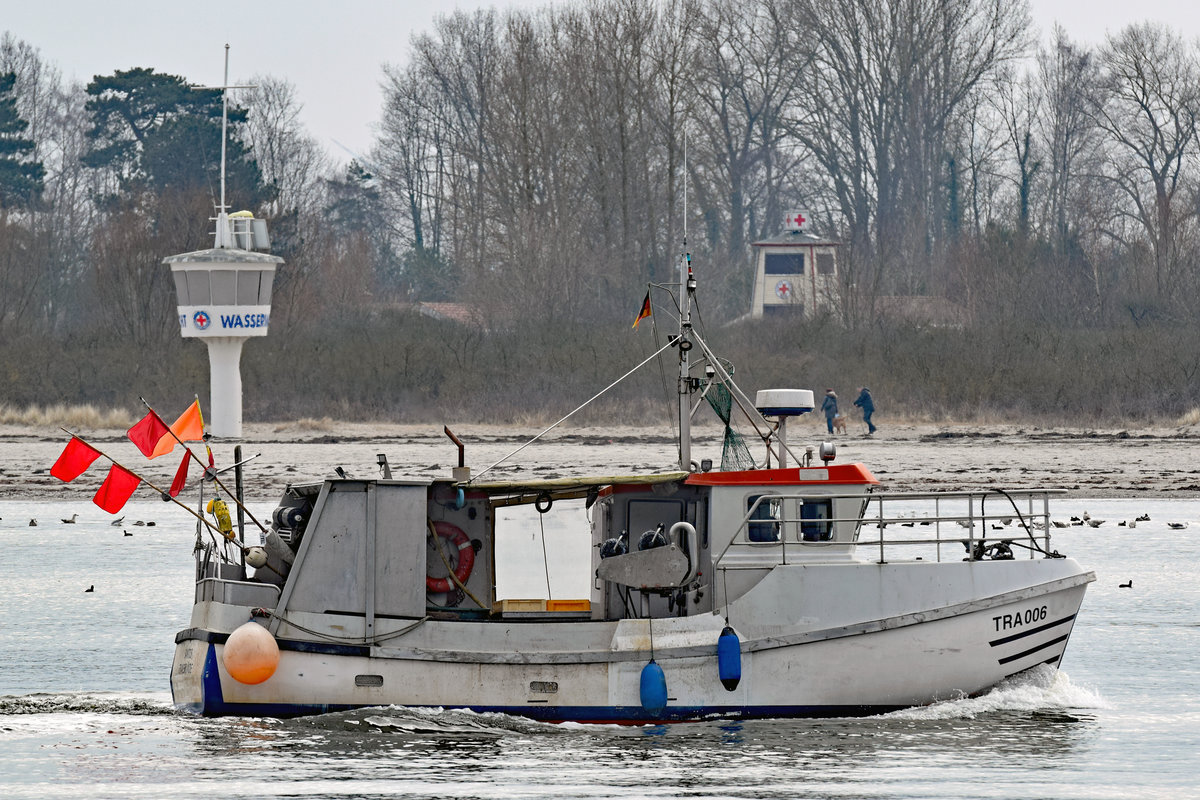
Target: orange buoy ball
(251,654)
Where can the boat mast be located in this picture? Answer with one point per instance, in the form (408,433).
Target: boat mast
(687,285)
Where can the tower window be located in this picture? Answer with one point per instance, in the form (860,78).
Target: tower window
(784,263)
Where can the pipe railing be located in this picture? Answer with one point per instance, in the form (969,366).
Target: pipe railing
(1026,527)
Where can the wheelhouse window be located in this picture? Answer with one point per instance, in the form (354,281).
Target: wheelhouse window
(814,521)
(764,524)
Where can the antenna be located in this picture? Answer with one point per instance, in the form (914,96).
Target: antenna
(224,126)
(224,234)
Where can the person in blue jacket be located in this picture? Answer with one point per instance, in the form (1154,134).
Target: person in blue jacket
(829,406)
(867,405)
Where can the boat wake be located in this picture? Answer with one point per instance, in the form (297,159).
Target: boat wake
(87,702)
(431,721)
(1040,689)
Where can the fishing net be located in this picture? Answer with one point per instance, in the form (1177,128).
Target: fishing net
(735,454)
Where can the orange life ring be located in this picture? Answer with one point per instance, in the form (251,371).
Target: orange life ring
(466,558)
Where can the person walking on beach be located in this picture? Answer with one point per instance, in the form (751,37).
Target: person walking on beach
(829,406)
(867,405)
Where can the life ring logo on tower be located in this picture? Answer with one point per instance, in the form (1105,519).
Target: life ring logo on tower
(202,320)
(784,290)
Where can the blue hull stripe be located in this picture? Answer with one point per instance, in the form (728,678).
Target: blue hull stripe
(614,715)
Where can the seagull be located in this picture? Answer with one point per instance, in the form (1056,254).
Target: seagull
(1086,516)
(71,521)
(90,589)
(116,522)
(1128,585)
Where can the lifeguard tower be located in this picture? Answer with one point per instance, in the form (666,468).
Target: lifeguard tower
(224,297)
(795,272)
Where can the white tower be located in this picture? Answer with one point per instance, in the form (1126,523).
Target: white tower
(224,297)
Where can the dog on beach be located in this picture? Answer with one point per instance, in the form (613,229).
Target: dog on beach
(839,424)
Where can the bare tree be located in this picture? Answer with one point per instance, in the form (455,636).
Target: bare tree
(889,80)
(290,160)
(57,229)
(1152,99)
(460,58)
(1070,79)
(752,67)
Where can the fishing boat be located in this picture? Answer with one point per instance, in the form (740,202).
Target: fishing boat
(782,583)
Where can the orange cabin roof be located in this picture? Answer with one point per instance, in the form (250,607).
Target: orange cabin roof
(838,474)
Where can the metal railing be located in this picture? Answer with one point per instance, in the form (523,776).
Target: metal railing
(983,524)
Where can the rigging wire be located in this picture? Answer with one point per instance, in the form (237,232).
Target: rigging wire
(572,413)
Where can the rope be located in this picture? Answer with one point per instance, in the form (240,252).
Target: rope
(342,639)
(545,558)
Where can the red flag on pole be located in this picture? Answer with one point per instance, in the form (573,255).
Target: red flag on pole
(76,457)
(116,489)
(180,476)
(147,433)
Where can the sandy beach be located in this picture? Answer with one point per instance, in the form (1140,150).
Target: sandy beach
(1162,462)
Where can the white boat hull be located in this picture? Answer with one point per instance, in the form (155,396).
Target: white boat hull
(993,620)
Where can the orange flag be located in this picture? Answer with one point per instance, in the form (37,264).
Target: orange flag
(189,428)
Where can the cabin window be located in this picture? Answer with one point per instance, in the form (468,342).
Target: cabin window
(768,509)
(783,264)
(814,521)
(647,515)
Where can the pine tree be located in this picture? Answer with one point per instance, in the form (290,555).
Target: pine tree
(20,178)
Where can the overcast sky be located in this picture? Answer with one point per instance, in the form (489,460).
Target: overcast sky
(334,56)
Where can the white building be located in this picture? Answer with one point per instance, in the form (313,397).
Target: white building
(795,272)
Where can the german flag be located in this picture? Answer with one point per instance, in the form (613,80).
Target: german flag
(645,312)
